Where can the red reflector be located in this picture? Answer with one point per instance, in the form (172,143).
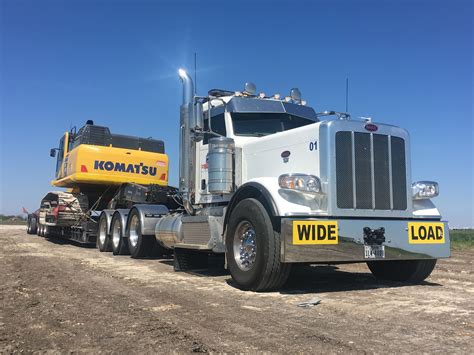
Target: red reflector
(163,177)
(371,127)
(83,169)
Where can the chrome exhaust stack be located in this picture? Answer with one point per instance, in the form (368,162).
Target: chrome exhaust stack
(187,145)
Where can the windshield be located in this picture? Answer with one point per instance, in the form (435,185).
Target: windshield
(262,124)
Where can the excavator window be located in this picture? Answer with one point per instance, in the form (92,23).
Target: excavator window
(59,156)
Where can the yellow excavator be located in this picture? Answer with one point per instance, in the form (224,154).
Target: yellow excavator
(100,171)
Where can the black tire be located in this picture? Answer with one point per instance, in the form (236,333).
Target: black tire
(28,228)
(38,231)
(266,272)
(412,271)
(119,244)
(103,241)
(139,245)
(46,231)
(33,225)
(159,251)
(42,230)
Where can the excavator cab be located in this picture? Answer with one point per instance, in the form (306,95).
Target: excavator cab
(61,152)
(95,156)
(60,155)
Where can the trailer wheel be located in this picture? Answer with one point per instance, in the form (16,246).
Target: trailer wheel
(119,245)
(253,248)
(38,231)
(139,245)
(103,241)
(28,228)
(412,271)
(46,231)
(33,226)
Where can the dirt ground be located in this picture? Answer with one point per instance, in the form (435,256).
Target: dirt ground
(57,296)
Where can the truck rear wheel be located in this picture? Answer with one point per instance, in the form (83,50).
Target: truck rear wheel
(103,238)
(139,245)
(119,244)
(413,271)
(253,248)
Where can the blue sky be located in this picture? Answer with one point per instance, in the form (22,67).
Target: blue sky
(410,64)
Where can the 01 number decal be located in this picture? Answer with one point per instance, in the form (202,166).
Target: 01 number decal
(313,146)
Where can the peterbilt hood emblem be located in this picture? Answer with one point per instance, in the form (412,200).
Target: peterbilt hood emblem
(371,127)
(286,156)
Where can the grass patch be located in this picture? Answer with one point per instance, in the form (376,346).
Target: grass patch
(462,238)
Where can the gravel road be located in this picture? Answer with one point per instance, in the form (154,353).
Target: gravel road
(57,296)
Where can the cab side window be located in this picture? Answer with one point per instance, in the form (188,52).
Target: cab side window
(217,125)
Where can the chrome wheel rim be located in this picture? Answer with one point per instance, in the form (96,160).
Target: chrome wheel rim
(133,232)
(102,231)
(245,245)
(117,230)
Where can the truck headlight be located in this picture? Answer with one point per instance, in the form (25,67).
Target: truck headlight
(424,189)
(300,182)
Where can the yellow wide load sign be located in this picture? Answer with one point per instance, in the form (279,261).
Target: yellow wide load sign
(426,233)
(315,232)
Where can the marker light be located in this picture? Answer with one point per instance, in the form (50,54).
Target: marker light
(261,95)
(300,182)
(250,89)
(303,102)
(295,94)
(276,96)
(424,189)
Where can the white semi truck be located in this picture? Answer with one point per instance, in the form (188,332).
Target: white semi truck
(269,182)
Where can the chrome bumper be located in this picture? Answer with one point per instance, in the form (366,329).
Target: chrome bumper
(350,246)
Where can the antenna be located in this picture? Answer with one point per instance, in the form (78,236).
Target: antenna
(195,73)
(347,95)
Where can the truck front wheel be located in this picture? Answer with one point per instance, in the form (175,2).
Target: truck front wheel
(412,271)
(253,248)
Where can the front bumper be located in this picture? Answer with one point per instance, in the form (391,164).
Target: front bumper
(350,244)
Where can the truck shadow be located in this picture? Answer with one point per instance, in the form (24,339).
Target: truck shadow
(63,241)
(330,278)
(309,278)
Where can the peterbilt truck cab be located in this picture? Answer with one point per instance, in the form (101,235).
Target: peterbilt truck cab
(271,182)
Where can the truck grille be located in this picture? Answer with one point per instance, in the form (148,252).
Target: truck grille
(370,171)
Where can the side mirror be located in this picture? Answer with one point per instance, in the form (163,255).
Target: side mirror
(52,152)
